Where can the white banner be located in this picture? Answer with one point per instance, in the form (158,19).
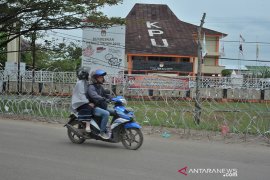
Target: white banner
(12,68)
(104,49)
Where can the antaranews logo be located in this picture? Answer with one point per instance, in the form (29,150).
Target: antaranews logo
(183,170)
(225,172)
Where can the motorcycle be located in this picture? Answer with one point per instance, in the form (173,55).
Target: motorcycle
(122,127)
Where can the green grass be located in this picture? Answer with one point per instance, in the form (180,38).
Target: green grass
(239,116)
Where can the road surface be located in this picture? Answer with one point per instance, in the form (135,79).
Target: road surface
(42,151)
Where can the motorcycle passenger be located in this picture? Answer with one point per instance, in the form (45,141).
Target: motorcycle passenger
(99,97)
(79,100)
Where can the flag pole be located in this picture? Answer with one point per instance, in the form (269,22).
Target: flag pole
(257,52)
(257,56)
(239,60)
(241,52)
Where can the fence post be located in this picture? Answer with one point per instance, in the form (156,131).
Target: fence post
(188,93)
(150,92)
(225,93)
(262,94)
(8,84)
(21,83)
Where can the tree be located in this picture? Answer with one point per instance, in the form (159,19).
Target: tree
(226,72)
(21,17)
(65,56)
(3,55)
(265,73)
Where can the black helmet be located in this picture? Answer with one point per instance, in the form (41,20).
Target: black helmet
(83,74)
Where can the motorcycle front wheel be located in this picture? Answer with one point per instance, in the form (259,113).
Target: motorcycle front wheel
(132,138)
(72,136)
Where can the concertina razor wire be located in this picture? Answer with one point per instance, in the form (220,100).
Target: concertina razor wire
(229,106)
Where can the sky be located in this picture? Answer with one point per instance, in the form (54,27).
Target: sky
(248,18)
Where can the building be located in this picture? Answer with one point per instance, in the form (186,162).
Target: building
(157,42)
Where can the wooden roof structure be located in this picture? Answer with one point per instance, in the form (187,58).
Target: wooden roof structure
(146,23)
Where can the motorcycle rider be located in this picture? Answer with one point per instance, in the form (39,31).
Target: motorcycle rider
(97,95)
(79,100)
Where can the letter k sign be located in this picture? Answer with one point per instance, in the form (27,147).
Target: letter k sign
(183,171)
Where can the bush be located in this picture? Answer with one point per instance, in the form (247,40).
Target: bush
(226,72)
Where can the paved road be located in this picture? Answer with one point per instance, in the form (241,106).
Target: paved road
(40,151)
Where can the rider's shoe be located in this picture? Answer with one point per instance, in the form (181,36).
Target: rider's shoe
(104,135)
(87,129)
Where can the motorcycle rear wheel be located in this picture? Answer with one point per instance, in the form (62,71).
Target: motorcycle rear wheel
(72,136)
(132,138)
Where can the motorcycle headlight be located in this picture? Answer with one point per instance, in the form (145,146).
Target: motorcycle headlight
(123,101)
(132,116)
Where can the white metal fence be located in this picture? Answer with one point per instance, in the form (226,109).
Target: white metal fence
(70,77)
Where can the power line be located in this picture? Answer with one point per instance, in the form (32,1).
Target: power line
(258,60)
(236,59)
(233,59)
(123,47)
(225,41)
(247,42)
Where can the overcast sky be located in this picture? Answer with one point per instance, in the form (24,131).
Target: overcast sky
(250,18)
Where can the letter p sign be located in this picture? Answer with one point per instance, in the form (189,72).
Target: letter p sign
(154,31)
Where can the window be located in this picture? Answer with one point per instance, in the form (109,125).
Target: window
(184,59)
(140,58)
(157,58)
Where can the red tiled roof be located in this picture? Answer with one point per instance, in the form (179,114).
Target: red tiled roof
(177,33)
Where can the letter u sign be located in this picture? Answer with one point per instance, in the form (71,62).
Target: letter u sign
(153,32)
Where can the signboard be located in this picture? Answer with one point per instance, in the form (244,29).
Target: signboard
(158,83)
(11,68)
(162,66)
(104,49)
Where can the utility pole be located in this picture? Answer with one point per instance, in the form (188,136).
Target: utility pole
(198,107)
(19,67)
(34,59)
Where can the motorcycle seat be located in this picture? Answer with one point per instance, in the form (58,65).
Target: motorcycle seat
(84,114)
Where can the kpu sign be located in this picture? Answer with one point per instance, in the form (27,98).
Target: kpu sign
(154,30)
